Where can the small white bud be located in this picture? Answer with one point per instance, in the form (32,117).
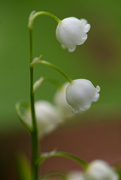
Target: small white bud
(100,170)
(80,94)
(61,103)
(38,83)
(71,32)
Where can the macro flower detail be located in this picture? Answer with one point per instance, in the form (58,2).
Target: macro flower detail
(81,93)
(47,117)
(100,170)
(71,32)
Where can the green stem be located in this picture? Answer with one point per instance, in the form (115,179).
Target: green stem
(52,66)
(34,134)
(45,156)
(34,124)
(33,16)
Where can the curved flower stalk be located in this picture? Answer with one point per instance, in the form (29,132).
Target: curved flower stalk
(100,170)
(81,93)
(71,32)
(47,116)
(61,103)
(47,155)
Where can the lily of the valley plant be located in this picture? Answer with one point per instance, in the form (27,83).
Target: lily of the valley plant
(75,96)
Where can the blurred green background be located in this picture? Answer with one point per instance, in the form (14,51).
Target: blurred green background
(98,60)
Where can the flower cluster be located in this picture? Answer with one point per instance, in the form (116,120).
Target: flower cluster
(69,99)
(75,96)
(72,97)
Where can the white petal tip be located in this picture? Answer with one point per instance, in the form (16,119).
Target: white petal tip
(75,111)
(97,95)
(71,50)
(98,88)
(87,27)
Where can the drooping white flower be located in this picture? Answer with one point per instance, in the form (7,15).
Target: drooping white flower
(75,175)
(100,170)
(81,93)
(61,103)
(71,32)
(47,116)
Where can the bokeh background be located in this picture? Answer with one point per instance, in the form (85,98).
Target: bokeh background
(98,60)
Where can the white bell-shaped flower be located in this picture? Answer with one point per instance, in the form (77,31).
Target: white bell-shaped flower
(47,116)
(80,94)
(71,32)
(61,103)
(100,170)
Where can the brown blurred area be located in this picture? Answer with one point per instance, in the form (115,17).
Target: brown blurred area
(98,60)
(89,142)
